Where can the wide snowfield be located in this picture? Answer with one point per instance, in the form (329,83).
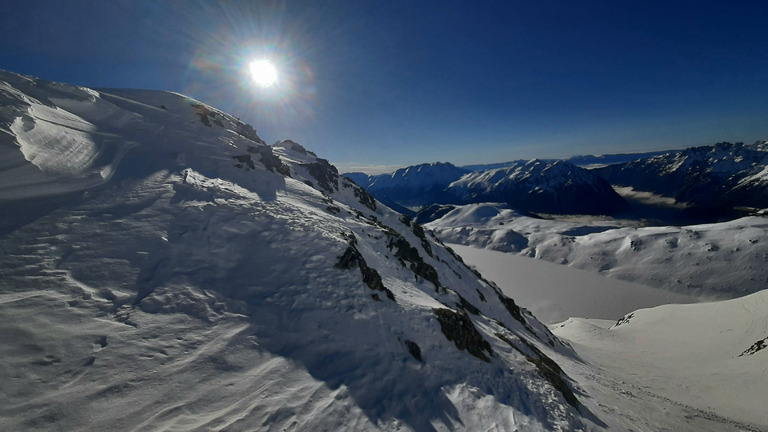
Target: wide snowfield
(710,261)
(669,367)
(555,292)
(699,355)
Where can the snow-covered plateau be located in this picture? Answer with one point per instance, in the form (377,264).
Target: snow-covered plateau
(163,269)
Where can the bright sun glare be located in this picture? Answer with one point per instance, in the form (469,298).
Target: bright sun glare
(263,73)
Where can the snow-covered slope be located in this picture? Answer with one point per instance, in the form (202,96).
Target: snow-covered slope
(539,186)
(161,268)
(722,260)
(712,178)
(709,356)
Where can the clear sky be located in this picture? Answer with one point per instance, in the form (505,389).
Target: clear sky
(373,85)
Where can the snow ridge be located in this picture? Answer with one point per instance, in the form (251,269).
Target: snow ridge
(207,281)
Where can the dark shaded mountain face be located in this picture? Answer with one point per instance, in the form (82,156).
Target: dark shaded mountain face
(539,186)
(610,159)
(413,186)
(529,186)
(165,269)
(710,179)
(432,213)
(580,161)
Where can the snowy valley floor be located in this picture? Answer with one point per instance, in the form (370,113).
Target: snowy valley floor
(555,292)
(671,367)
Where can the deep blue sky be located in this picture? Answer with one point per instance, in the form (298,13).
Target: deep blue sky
(393,83)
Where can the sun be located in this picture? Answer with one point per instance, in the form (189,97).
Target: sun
(263,73)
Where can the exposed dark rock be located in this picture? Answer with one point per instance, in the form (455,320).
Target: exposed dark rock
(482,297)
(405,252)
(547,368)
(419,232)
(361,194)
(413,349)
(365,198)
(247,131)
(467,306)
(271,161)
(757,346)
(349,259)
(513,309)
(267,158)
(624,320)
(458,328)
(244,160)
(327,175)
(371,277)
(203,112)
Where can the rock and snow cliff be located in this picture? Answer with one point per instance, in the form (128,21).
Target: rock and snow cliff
(162,268)
(413,186)
(712,179)
(539,186)
(533,186)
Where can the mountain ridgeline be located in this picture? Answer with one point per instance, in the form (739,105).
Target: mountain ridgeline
(709,179)
(707,183)
(163,268)
(546,186)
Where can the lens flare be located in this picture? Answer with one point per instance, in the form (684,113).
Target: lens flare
(263,72)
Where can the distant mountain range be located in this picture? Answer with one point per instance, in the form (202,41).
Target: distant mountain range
(539,186)
(163,268)
(585,161)
(413,186)
(550,186)
(709,181)
(712,179)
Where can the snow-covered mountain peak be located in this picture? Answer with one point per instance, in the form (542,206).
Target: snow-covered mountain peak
(539,185)
(169,270)
(710,179)
(424,175)
(61,139)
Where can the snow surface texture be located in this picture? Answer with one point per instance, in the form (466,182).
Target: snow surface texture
(167,270)
(696,355)
(722,260)
(178,274)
